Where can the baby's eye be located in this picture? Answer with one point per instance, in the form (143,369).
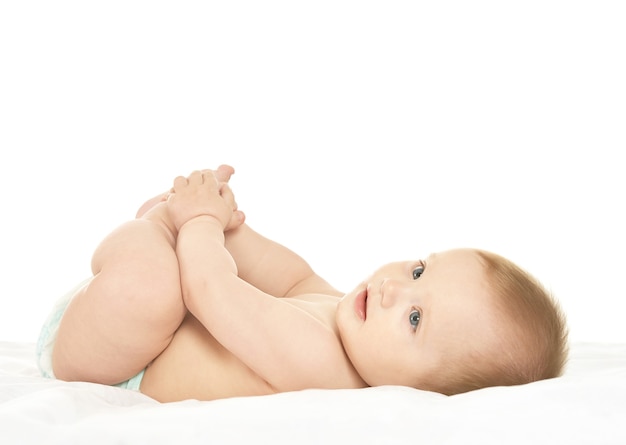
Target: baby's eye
(417,272)
(414,318)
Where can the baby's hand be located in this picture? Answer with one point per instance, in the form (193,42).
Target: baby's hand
(237,218)
(200,195)
(223,175)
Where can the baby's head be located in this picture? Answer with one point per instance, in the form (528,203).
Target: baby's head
(460,320)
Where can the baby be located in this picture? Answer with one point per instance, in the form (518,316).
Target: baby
(187,301)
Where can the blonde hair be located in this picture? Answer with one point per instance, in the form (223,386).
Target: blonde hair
(535,346)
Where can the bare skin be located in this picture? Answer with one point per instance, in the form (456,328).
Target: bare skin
(132,315)
(290,343)
(129,311)
(204,369)
(212,309)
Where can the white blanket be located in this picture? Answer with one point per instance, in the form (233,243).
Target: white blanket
(586,406)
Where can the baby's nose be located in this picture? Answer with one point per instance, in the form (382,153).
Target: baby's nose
(392,291)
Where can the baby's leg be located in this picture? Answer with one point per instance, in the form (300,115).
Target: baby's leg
(129,311)
(150,204)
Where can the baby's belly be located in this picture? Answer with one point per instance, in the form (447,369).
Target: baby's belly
(196,366)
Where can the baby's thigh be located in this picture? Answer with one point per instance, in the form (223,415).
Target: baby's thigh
(124,317)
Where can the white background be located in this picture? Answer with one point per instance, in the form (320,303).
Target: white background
(362,132)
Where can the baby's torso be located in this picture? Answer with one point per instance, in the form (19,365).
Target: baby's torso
(196,366)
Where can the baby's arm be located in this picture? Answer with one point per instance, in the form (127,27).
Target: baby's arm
(282,343)
(266,264)
(272,267)
(262,262)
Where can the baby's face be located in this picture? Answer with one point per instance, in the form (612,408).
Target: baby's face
(403,321)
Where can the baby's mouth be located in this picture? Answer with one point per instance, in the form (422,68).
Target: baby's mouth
(360,304)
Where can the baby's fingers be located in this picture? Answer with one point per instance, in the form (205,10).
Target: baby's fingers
(228,196)
(197,178)
(238,217)
(224,172)
(179,182)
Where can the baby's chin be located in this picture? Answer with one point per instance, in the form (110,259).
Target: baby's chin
(345,299)
(341,314)
(373,377)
